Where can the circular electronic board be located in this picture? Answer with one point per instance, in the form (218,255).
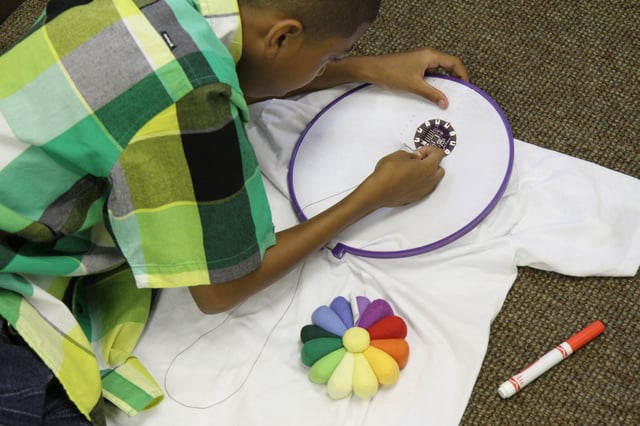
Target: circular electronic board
(436,132)
(341,145)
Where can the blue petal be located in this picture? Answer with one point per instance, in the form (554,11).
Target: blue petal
(328,319)
(342,307)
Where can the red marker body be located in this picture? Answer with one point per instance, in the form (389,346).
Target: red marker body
(551,358)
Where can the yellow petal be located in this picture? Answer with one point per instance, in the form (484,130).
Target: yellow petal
(365,382)
(384,366)
(340,383)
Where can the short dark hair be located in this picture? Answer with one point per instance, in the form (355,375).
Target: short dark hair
(324,18)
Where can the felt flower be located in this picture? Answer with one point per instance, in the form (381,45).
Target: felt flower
(354,347)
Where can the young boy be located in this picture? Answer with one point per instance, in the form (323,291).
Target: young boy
(125,167)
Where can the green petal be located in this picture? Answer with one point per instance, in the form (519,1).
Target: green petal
(323,368)
(315,349)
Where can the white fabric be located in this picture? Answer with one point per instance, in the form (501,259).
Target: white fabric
(243,368)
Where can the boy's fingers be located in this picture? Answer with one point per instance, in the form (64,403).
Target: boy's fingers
(434,95)
(431,152)
(454,66)
(457,69)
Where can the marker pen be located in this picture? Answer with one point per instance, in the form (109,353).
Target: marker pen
(551,358)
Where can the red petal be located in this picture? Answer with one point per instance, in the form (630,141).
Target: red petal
(388,328)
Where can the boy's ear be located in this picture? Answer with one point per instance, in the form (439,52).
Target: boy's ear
(285,33)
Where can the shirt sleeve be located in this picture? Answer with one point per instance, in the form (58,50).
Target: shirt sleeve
(187,204)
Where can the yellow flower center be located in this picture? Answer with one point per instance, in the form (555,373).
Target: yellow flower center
(356,339)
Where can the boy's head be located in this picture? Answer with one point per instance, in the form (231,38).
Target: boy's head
(323,18)
(287,43)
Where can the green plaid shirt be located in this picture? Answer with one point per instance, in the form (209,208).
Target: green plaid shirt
(124,166)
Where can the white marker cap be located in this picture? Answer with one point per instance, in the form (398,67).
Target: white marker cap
(506,390)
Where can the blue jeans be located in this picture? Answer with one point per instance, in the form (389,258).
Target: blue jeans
(29,392)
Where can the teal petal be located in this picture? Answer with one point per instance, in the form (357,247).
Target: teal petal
(311,331)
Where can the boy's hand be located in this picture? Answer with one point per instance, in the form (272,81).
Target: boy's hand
(404,177)
(406,70)
(395,71)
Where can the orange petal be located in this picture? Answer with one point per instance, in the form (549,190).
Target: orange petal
(397,348)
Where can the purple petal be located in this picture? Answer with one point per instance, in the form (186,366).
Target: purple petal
(362,303)
(377,310)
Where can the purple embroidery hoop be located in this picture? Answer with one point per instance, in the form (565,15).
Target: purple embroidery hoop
(341,249)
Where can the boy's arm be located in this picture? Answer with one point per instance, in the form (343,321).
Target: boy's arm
(398,179)
(396,71)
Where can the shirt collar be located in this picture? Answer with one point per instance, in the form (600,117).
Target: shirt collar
(223,17)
